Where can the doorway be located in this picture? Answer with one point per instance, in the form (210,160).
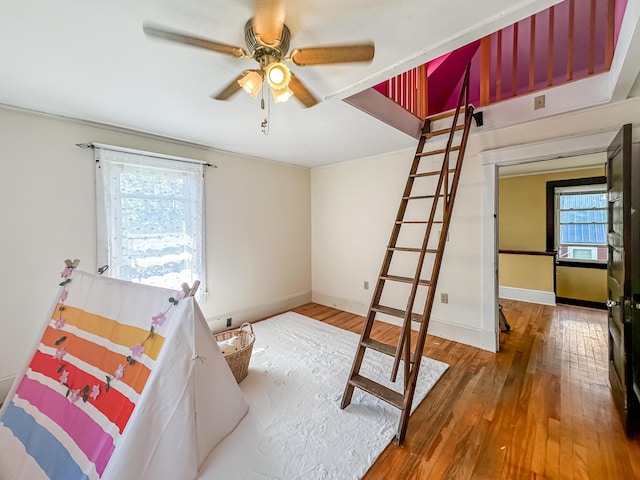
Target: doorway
(494,159)
(552,231)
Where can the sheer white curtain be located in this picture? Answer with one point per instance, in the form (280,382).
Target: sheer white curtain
(150,218)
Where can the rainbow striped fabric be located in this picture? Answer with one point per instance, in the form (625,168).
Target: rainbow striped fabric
(126,383)
(81,387)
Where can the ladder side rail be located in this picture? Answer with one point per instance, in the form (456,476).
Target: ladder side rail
(405,333)
(395,232)
(435,273)
(410,385)
(444,175)
(384,269)
(406,324)
(407,361)
(410,389)
(443,236)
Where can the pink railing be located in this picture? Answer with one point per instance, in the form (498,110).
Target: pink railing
(569,41)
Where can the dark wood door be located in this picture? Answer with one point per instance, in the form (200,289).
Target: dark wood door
(622,267)
(635,261)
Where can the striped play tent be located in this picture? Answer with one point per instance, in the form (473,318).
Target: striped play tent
(114,387)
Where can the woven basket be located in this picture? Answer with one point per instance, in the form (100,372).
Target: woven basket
(239,361)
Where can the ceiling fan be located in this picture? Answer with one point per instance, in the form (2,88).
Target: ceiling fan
(267,39)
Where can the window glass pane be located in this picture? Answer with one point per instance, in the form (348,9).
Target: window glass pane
(583,200)
(583,234)
(138,181)
(152,219)
(581,225)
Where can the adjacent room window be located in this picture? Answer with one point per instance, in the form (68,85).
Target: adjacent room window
(580,222)
(150,217)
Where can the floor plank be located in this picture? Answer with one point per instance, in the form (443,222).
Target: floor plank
(541,408)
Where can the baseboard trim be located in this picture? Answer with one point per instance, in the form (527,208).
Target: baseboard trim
(341,303)
(218,322)
(582,303)
(526,295)
(438,327)
(474,337)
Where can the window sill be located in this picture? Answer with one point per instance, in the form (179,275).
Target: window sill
(569,263)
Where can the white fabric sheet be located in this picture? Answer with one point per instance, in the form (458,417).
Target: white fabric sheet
(295,428)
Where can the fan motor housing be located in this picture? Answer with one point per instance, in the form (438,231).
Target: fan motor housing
(259,49)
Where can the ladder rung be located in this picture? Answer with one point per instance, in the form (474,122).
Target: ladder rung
(437,152)
(435,133)
(411,249)
(416,222)
(396,278)
(447,114)
(382,347)
(430,174)
(421,197)
(384,393)
(395,312)
(379,346)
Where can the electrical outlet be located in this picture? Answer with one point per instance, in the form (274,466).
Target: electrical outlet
(366,285)
(229,322)
(444,298)
(538,102)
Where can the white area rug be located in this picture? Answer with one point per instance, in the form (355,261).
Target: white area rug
(295,428)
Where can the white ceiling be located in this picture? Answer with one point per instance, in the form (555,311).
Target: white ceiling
(89,60)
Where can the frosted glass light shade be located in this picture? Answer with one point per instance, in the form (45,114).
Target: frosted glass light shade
(278,75)
(251,83)
(281,95)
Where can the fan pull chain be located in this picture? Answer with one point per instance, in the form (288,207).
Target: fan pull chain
(264,125)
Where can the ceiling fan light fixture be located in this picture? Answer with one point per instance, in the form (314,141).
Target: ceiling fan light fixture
(251,82)
(281,95)
(278,75)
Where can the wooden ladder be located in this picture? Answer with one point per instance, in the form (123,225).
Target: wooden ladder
(447,171)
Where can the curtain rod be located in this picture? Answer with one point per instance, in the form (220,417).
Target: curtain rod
(142,152)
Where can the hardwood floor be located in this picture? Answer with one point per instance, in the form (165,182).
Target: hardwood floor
(541,408)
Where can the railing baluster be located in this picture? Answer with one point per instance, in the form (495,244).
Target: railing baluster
(592,37)
(532,52)
(424,82)
(572,9)
(485,70)
(499,66)
(412,90)
(610,35)
(551,43)
(514,64)
(403,88)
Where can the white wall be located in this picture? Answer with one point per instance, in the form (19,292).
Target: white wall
(354,204)
(257,221)
(353,208)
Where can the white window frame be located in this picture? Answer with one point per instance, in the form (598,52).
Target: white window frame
(577,189)
(111,162)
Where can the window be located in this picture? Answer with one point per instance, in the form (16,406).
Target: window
(579,221)
(150,218)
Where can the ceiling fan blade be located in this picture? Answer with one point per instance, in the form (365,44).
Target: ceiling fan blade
(229,90)
(161,32)
(338,54)
(268,19)
(300,92)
